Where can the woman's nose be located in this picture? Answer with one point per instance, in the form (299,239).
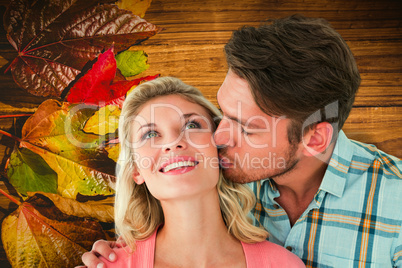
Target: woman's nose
(177,144)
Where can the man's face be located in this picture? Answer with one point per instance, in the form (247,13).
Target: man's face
(254,145)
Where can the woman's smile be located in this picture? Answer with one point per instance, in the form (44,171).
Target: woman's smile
(178,165)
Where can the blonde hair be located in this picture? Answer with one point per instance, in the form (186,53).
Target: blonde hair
(137,212)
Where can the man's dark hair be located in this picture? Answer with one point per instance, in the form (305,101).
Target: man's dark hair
(295,67)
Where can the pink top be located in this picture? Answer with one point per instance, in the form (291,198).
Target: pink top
(258,255)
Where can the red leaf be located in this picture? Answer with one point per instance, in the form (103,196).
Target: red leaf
(55,39)
(120,89)
(93,87)
(97,87)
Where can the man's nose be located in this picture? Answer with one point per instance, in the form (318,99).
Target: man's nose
(223,135)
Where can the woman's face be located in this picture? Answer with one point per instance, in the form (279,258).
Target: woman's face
(174,149)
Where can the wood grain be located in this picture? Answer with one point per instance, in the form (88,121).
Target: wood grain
(377,125)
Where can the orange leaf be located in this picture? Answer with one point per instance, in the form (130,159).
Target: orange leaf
(55,133)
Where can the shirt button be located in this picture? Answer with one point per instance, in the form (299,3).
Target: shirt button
(289,248)
(276,206)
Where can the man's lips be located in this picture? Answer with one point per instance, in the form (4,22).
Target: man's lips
(224,162)
(178,162)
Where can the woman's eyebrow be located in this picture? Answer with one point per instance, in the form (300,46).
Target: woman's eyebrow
(150,125)
(185,116)
(153,125)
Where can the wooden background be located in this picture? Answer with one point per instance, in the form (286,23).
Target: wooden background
(191,47)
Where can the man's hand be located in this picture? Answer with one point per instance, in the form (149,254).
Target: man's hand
(101,248)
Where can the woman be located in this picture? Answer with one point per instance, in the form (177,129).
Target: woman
(173,207)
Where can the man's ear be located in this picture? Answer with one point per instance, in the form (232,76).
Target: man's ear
(138,178)
(318,139)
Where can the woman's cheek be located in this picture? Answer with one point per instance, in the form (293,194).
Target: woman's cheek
(202,140)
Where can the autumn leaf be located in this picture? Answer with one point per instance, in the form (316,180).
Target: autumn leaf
(3,61)
(138,7)
(38,234)
(98,79)
(27,171)
(101,210)
(104,121)
(97,86)
(113,149)
(55,133)
(132,62)
(125,87)
(55,39)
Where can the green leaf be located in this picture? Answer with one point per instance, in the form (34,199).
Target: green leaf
(104,121)
(28,172)
(131,63)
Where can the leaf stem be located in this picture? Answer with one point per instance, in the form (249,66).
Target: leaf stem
(11,64)
(10,135)
(10,197)
(14,115)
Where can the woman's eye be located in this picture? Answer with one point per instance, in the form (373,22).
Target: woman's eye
(191,125)
(151,134)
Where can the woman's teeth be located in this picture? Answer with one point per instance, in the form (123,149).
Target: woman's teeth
(178,165)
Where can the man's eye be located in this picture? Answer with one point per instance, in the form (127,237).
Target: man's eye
(244,132)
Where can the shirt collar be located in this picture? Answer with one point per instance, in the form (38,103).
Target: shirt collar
(334,180)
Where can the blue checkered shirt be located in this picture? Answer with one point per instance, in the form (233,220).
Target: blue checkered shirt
(355,217)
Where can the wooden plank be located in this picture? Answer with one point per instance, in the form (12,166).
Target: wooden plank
(379,96)
(165,6)
(181,22)
(381,79)
(369,48)
(377,125)
(268,12)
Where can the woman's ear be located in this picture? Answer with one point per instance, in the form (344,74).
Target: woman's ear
(138,178)
(317,140)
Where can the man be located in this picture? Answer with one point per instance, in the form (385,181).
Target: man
(331,201)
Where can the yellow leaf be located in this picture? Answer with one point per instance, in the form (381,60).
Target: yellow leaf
(37,234)
(104,121)
(3,61)
(102,210)
(113,151)
(138,7)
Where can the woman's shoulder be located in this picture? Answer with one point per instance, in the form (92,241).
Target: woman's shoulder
(143,256)
(268,254)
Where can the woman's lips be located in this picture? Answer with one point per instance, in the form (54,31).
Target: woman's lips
(178,164)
